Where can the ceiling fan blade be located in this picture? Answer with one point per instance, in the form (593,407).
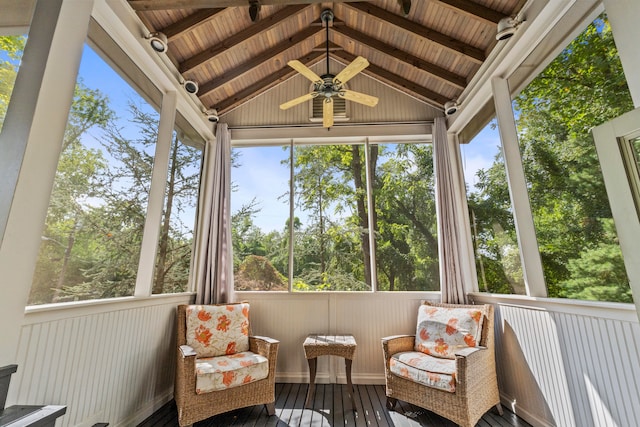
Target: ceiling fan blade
(360,98)
(304,70)
(351,70)
(298,100)
(327,112)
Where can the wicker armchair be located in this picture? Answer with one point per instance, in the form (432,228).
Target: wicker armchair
(473,374)
(193,402)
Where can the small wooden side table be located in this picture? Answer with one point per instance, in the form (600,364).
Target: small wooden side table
(328,345)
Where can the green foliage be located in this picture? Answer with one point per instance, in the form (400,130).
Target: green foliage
(599,273)
(12,47)
(93,232)
(257,273)
(331,248)
(582,88)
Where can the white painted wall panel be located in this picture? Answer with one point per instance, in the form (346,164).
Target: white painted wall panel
(110,362)
(368,316)
(568,363)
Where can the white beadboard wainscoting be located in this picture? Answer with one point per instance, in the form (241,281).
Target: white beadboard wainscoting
(568,363)
(560,363)
(107,361)
(290,317)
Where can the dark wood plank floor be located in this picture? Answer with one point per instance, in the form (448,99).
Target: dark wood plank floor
(332,407)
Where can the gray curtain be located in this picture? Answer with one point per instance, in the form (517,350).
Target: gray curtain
(212,271)
(451,238)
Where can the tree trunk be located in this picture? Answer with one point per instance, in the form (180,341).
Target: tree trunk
(163,248)
(361,204)
(65,261)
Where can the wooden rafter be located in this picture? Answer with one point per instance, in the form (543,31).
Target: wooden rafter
(475,10)
(207,4)
(256,60)
(263,85)
(455,45)
(410,88)
(445,75)
(262,25)
(200,17)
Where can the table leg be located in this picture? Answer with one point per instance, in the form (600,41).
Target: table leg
(312,382)
(347,366)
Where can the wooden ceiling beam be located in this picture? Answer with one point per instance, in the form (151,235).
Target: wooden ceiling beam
(475,10)
(182,26)
(143,5)
(397,82)
(471,52)
(256,60)
(263,24)
(263,85)
(445,75)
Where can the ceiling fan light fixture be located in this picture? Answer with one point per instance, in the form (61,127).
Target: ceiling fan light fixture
(158,41)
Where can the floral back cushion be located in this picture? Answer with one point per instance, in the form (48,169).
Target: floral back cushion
(217,330)
(442,331)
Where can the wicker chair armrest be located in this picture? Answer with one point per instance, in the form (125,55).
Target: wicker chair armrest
(187,351)
(265,346)
(397,343)
(185,375)
(468,351)
(474,366)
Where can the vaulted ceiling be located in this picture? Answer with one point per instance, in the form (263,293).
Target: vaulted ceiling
(237,49)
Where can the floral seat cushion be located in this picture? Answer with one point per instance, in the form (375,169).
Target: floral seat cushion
(441,331)
(223,372)
(218,330)
(431,371)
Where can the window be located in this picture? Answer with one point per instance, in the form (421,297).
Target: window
(492,227)
(331,250)
(324,190)
(260,218)
(178,216)
(405,219)
(582,88)
(91,241)
(630,149)
(11,49)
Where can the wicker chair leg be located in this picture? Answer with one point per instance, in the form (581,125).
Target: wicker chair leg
(391,403)
(499,409)
(271,408)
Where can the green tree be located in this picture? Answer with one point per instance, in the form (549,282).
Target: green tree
(582,88)
(407,247)
(63,253)
(12,47)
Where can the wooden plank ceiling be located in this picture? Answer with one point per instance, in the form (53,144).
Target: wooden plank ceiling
(430,53)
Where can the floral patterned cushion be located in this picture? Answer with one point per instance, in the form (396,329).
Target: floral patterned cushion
(431,371)
(218,330)
(442,331)
(222,372)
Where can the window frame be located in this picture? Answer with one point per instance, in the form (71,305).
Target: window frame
(614,163)
(366,142)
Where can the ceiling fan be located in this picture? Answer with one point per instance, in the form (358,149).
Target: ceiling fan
(328,85)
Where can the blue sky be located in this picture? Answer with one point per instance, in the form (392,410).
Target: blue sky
(262,176)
